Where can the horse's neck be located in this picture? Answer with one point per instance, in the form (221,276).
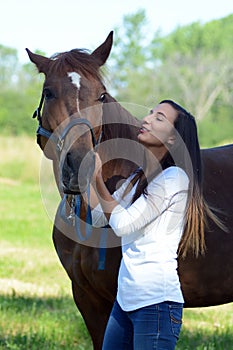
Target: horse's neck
(120,130)
(118,122)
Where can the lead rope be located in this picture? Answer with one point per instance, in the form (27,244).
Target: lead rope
(74,220)
(88,220)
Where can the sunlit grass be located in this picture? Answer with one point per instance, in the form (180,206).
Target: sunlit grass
(21,159)
(207,328)
(36,305)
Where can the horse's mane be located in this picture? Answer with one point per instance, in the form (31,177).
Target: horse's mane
(117,121)
(121,128)
(79,60)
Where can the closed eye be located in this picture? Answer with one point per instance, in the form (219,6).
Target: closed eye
(159,116)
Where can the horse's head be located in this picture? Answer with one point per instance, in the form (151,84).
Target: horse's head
(70,121)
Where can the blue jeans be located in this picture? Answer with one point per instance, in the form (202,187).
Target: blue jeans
(152,327)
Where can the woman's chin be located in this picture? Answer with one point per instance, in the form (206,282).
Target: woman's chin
(141,138)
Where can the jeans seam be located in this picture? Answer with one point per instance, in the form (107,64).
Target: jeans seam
(155,345)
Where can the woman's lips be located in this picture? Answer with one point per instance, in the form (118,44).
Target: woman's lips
(143,130)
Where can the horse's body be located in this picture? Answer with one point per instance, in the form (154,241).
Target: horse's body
(205,281)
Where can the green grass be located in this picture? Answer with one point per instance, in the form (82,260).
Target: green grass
(37,311)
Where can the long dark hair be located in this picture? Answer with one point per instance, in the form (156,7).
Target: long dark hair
(186,154)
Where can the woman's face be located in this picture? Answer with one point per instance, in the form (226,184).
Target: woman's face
(158,127)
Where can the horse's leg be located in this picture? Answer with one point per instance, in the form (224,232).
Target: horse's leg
(65,250)
(94,290)
(93,303)
(95,311)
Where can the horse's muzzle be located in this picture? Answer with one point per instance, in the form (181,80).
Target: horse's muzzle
(76,174)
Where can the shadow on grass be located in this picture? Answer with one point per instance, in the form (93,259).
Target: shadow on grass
(36,323)
(29,304)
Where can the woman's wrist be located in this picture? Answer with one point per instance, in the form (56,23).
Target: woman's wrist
(105,198)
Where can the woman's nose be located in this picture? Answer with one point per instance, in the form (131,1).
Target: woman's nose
(146,119)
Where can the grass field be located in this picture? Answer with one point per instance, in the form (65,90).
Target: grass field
(37,311)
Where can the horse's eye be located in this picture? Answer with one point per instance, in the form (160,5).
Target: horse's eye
(102,97)
(48,94)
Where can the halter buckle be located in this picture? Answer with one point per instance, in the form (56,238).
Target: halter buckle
(60,145)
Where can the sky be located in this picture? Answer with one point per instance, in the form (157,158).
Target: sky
(59,25)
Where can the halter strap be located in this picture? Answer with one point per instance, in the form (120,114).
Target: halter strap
(59,140)
(68,127)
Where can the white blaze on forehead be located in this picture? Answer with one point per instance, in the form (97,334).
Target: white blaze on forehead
(75,79)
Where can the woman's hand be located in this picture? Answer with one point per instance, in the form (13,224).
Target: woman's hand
(97,177)
(98,168)
(106,200)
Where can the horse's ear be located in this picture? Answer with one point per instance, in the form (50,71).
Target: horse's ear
(41,62)
(102,52)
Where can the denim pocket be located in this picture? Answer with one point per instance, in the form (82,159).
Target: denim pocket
(176,312)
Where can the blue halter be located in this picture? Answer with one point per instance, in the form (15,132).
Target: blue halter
(74,217)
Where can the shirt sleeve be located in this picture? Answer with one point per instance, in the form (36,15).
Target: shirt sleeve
(98,217)
(167,189)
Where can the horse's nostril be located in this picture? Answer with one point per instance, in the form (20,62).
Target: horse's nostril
(72,162)
(68,159)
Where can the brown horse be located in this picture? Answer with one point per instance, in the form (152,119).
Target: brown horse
(78,114)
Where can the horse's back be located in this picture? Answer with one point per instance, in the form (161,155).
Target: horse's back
(218,174)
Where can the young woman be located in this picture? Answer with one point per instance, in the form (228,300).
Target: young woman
(158,212)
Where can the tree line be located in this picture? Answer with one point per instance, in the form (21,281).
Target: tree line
(192,65)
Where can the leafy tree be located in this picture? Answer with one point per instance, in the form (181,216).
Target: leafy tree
(20,91)
(8,67)
(130,59)
(192,65)
(197,60)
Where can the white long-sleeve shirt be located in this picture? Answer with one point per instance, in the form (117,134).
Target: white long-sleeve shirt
(151,230)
